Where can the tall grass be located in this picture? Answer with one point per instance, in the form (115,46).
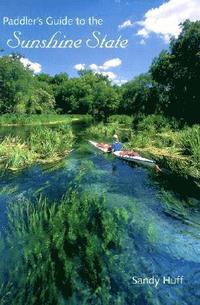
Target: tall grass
(105,132)
(47,142)
(121,119)
(101,130)
(154,131)
(15,153)
(155,123)
(172,144)
(43,144)
(61,252)
(190,142)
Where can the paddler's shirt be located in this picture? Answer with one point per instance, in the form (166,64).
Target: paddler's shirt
(116,146)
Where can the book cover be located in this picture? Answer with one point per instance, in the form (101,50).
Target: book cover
(99,152)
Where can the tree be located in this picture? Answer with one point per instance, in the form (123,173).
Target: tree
(40,102)
(79,95)
(139,95)
(106,101)
(15,81)
(177,72)
(21,91)
(60,78)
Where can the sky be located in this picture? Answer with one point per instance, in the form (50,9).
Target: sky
(146,24)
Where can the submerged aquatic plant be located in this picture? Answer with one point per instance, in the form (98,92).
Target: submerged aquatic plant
(175,207)
(61,252)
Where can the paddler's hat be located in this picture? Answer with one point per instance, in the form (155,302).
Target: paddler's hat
(115,137)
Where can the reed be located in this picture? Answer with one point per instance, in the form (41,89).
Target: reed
(101,130)
(121,119)
(49,142)
(43,145)
(105,132)
(190,142)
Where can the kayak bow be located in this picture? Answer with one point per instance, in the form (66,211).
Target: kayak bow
(106,148)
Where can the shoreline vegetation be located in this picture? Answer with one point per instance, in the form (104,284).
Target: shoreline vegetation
(174,146)
(34,119)
(43,145)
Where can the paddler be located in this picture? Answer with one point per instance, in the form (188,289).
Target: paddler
(116,145)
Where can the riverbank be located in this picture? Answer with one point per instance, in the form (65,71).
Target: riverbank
(34,119)
(173,146)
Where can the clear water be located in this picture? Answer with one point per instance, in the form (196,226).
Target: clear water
(163,234)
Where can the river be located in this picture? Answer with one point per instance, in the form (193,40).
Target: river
(162,239)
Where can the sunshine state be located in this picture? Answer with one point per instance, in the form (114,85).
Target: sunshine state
(60,41)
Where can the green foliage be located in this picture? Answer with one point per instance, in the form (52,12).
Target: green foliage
(154,131)
(121,119)
(43,144)
(89,93)
(139,95)
(176,207)
(155,123)
(177,73)
(171,86)
(41,101)
(15,152)
(43,119)
(15,83)
(104,132)
(106,101)
(61,252)
(47,142)
(20,92)
(190,142)
(101,130)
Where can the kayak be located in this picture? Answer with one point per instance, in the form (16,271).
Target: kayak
(106,148)
(137,159)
